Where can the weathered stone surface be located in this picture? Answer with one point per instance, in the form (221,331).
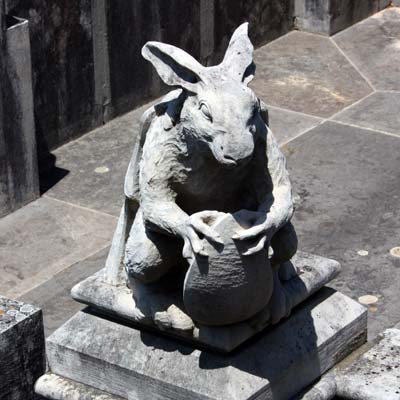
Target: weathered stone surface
(373,46)
(95,165)
(348,182)
(53,296)
(62,65)
(22,349)
(375,375)
(32,251)
(130,26)
(55,387)
(118,302)
(287,124)
(331,16)
(268,19)
(308,74)
(380,111)
(19,172)
(139,365)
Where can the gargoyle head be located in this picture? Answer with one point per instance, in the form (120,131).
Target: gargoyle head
(220,110)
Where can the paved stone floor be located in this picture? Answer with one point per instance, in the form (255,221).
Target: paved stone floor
(335,109)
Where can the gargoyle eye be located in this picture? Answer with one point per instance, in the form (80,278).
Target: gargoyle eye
(206,111)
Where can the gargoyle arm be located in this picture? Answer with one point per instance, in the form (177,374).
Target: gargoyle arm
(279,205)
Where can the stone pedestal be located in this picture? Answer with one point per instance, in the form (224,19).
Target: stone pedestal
(22,349)
(313,272)
(94,353)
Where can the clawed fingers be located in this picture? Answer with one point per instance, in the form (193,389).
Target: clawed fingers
(205,230)
(196,243)
(250,233)
(255,249)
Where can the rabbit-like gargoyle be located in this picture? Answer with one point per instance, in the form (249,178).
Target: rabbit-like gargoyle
(205,151)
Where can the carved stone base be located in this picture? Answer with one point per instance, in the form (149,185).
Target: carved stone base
(136,365)
(117,301)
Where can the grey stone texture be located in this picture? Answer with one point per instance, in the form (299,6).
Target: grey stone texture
(55,387)
(331,16)
(22,350)
(53,296)
(308,74)
(375,374)
(139,365)
(380,112)
(373,45)
(46,237)
(62,66)
(18,159)
(347,180)
(108,148)
(117,301)
(268,19)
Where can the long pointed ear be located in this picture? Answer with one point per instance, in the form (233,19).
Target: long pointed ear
(238,61)
(174,66)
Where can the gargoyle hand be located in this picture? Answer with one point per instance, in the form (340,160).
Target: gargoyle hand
(259,229)
(197,227)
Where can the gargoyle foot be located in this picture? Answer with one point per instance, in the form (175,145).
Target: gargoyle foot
(173,318)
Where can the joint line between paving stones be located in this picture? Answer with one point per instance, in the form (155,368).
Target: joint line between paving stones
(26,291)
(330,119)
(302,133)
(367,129)
(349,106)
(80,207)
(294,112)
(353,64)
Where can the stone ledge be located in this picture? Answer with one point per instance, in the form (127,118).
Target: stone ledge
(117,301)
(278,363)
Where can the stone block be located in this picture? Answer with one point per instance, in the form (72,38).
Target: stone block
(18,158)
(62,65)
(22,350)
(117,301)
(375,374)
(331,16)
(277,364)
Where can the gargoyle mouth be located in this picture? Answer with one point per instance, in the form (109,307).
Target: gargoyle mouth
(226,161)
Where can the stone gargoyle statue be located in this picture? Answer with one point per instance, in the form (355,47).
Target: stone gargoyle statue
(208,199)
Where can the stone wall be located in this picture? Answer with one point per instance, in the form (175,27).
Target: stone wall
(87,66)
(331,16)
(19,182)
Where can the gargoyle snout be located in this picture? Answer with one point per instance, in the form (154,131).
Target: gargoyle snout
(231,150)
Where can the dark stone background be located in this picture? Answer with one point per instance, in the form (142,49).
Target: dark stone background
(64,63)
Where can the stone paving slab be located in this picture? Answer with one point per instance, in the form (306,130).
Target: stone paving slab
(380,111)
(373,45)
(54,295)
(96,165)
(44,238)
(348,182)
(307,73)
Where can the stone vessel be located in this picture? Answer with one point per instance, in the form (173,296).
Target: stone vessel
(226,287)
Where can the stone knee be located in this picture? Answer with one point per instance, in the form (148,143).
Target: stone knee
(284,244)
(149,255)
